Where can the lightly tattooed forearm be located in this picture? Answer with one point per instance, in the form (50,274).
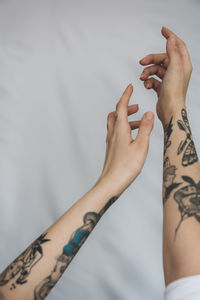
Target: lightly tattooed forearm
(169,175)
(190,154)
(76,240)
(18,271)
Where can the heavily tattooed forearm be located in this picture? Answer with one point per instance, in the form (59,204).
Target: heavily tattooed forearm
(167,133)
(169,175)
(18,271)
(187,196)
(190,155)
(188,199)
(76,240)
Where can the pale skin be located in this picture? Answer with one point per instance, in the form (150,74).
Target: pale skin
(173,70)
(35,273)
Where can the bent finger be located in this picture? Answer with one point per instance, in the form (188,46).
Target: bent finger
(134,124)
(146,126)
(155,59)
(153,83)
(165,63)
(132,109)
(153,70)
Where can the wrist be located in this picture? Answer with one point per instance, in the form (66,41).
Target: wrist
(110,186)
(172,112)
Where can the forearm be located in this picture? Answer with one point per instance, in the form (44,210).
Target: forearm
(181,199)
(35,272)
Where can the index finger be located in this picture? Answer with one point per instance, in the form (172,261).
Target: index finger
(166,32)
(156,59)
(122,105)
(182,46)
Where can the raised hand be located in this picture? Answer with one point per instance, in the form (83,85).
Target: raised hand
(174,68)
(125,156)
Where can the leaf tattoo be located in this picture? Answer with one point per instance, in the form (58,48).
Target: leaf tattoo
(169,175)
(167,133)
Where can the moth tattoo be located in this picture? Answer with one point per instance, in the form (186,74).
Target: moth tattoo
(187,145)
(169,175)
(188,200)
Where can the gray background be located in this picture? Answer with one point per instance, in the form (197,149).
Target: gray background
(63,67)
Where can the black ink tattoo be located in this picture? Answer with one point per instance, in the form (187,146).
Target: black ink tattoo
(167,133)
(169,174)
(188,199)
(190,155)
(18,271)
(76,240)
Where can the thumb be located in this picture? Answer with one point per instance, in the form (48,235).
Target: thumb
(173,50)
(145,129)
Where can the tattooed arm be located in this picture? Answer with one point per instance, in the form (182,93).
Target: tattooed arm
(181,168)
(35,272)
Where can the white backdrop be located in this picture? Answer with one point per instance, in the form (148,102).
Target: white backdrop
(63,67)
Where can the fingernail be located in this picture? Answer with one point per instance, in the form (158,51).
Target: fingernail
(149,115)
(143,58)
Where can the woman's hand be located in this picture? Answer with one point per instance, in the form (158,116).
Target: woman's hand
(174,68)
(125,157)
